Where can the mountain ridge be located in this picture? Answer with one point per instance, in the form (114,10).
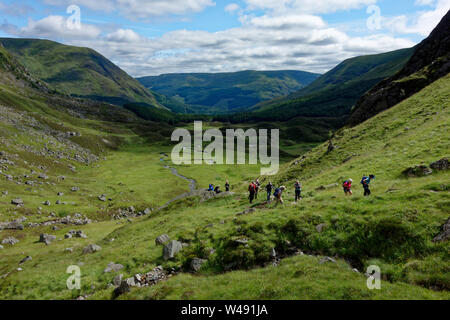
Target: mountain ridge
(227,91)
(77,71)
(430,61)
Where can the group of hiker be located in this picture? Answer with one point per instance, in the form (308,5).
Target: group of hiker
(365,181)
(254,187)
(216,188)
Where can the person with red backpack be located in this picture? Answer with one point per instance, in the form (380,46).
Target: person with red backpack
(347,185)
(257,186)
(252,191)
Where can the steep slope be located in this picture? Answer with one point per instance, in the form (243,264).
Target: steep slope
(430,61)
(79,72)
(334,93)
(228,92)
(395,228)
(50,144)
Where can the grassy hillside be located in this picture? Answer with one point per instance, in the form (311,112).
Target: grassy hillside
(392,229)
(80,72)
(334,93)
(227,92)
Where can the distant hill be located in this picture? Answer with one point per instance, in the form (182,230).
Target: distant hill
(227,92)
(79,72)
(430,61)
(336,92)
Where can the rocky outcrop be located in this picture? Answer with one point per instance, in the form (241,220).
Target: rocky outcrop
(46,238)
(430,62)
(171,249)
(442,164)
(162,239)
(113,267)
(445,233)
(140,280)
(417,171)
(10,240)
(91,248)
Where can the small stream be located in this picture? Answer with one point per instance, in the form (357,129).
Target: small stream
(192,184)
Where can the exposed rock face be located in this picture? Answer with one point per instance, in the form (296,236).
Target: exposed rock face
(417,171)
(46,238)
(445,234)
(430,61)
(10,240)
(91,248)
(162,239)
(171,249)
(17,202)
(14,225)
(197,263)
(113,267)
(440,164)
(139,280)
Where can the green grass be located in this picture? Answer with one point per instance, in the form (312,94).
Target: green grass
(297,278)
(393,228)
(80,72)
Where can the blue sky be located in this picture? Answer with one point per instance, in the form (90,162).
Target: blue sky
(156,36)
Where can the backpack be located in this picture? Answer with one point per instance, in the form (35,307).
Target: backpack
(251,187)
(298,187)
(277,192)
(364,180)
(346,184)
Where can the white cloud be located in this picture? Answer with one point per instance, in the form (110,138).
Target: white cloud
(123,35)
(232,7)
(53,27)
(308,6)
(140,9)
(251,46)
(422,24)
(423,2)
(286,22)
(283,36)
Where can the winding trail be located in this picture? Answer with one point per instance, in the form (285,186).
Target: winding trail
(192,184)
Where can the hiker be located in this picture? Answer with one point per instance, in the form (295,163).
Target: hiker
(211,187)
(257,185)
(365,181)
(298,190)
(227,186)
(252,191)
(278,193)
(217,189)
(269,189)
(347,185)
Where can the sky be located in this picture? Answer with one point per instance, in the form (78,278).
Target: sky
(152,37)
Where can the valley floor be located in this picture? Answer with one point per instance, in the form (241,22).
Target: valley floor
(319,248)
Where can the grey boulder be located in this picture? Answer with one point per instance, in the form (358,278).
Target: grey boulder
(113,267)
(171,249)
(162,239)
(91,248)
